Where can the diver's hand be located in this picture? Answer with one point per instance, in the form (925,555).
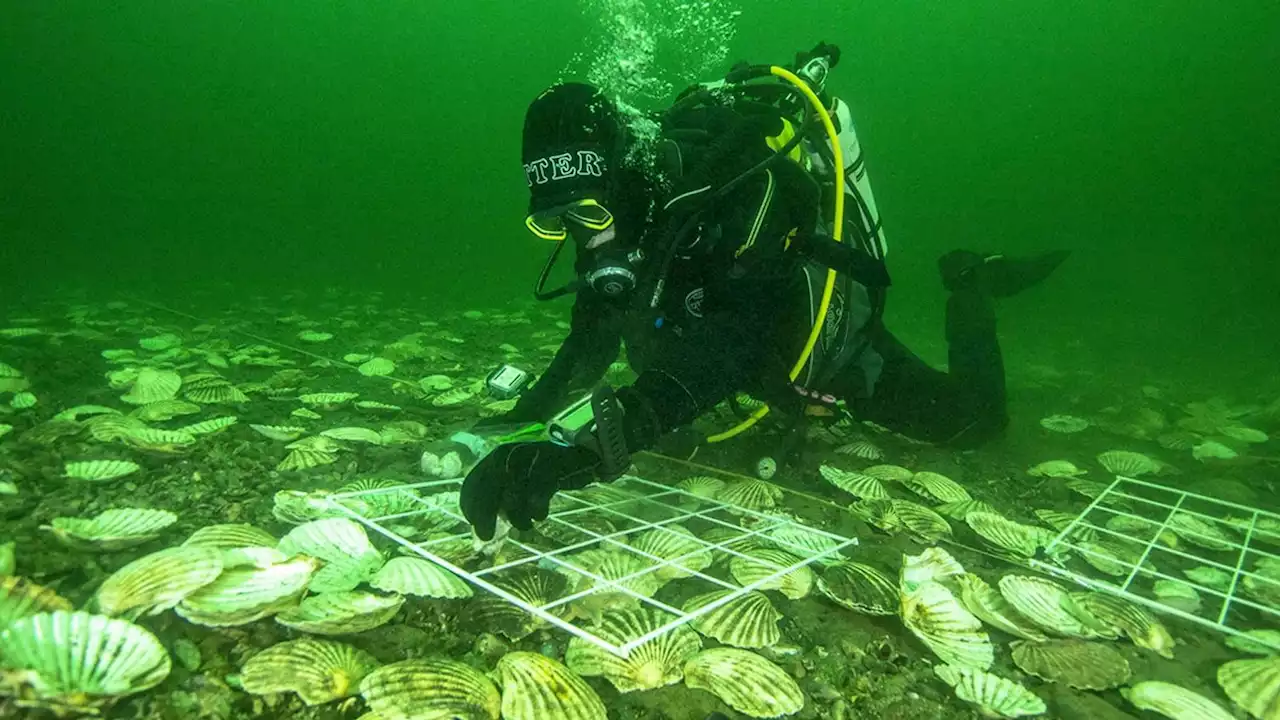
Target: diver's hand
(519,479)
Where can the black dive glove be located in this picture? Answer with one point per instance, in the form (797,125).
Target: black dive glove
(519,479)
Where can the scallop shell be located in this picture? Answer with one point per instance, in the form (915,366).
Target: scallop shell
(113,529)
(860,588)
(864,449)
(282,433)
(377,367)
(889,473)
(340,613)
(764,563)
(919,521)
(1006,534)
(855,483)
(165,410)
(745,682)
(747,621)
(451,398)
(703,486)
(1060,521)
(99,470)
(533,586)
(1128,463)
(153,385)
(415,576)
(990,607)
(934,615)
(303,459)
(350,558)
(210,389)
(820,547)
(994,695)
(418,689)
(1046,604)
(110,428)
(319,671)
(243,595)
(675,543)
(353,434)
(212,426)
(1202,533)
(960,509)
(8,560)
(937,486)
(158,440)
(1143,628)
(228,536)
(535,687)
(1066,424)
(1253,684)
(156,582)
(327,399)
(23,400)
(1173,701)
(1076,663)
(756,495)
(933,565)
(19,598)
(655,663)
(81,661)
(1254,642)
(1056,469)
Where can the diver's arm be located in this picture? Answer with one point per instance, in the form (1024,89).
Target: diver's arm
(585,353)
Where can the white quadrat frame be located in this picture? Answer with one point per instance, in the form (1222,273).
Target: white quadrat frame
(677,505)
(1122,497)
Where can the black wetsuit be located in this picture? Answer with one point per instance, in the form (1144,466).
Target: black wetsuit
(734,317)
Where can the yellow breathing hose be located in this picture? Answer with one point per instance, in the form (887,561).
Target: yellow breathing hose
(836,233)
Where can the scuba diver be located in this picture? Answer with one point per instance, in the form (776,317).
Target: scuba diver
(738,251)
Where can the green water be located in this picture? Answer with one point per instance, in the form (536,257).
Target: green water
(159,145)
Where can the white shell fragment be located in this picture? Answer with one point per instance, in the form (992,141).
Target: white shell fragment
(78,660)
(99,470)
(745,681)
(319,671)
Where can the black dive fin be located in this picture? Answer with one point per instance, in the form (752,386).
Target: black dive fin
(997,275)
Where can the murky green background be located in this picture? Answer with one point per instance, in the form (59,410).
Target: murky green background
(156,146)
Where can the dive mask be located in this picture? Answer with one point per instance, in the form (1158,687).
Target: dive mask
(550,224)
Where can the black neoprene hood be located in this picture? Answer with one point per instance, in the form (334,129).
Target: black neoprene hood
(572,134)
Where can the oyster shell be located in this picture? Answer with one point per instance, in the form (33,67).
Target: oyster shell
(653,664)
(415,689)
(113,529)
(1076,663)
(1173,701)
(747,621)
(79,662)
(995,696)
(415,576)
(855,483)
(1254,685)
(535,687)
(156,582)
(319,671)
(341,613)
(860,588)
(745,682)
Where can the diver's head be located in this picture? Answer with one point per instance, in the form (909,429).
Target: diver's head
(574,140)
